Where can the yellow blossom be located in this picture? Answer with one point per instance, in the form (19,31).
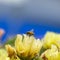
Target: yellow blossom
(35,48)
(12,53)
(51,38)
(27,45)
(53,53)
(3,55)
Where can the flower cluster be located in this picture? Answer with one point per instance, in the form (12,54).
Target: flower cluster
(27,47)
(51,42)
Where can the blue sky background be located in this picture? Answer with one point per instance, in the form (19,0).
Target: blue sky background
(20,17)
(13,28)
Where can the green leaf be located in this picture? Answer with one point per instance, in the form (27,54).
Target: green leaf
(42,50)
(11,41)
(39,58)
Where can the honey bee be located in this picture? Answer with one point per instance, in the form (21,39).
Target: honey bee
(30,33)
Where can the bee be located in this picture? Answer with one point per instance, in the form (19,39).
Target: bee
(30,33)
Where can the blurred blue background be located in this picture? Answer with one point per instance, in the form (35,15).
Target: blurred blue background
(20,16)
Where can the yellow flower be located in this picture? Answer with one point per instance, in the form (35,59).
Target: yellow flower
(35,48)
(52,54)
(27,45)
(3,55)
(12,53)
(51,38)
(14,58)
(10,50)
